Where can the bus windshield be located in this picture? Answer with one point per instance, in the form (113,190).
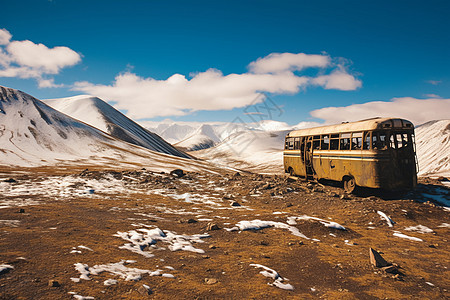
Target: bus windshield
(383,140)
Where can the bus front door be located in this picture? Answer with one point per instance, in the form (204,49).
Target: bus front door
(308,157)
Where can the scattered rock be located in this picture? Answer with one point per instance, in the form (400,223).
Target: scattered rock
(53,283)
(177,173)
(212,247)
(234,203)
(144,290)
(212,226)
(190,221)
(376,259)
(264,243)
(344,197)
(267,186)
(442,178)
(291,179)
(237,174)
(390,269)
(211,280)
(10,180)
(21,210)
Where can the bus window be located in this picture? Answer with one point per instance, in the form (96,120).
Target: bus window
(291,144)
(392,141)
(357,140)
(380,140)
(296,143)
(402,140)
(286,144)
(325,142)
(345,141)
(334,144)
(366,143)
(316,144)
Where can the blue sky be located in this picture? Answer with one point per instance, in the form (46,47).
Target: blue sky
(395,49)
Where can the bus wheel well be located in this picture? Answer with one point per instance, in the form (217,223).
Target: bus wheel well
(290,171)
(349,183)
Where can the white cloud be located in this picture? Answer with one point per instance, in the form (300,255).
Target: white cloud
(417,111)
(25,59)
(40,57)
(281,62)
(212,90)
(338,80)
(5,36)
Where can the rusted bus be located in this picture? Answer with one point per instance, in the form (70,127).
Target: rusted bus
(376,153)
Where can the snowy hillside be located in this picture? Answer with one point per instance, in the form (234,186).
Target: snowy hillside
(253,150)
(204,137)
(101,115)
(195,136)
(433,148)
(34,134)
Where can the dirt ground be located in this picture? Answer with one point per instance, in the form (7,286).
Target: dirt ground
(46,214)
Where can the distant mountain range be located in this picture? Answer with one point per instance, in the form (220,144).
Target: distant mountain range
(87,130)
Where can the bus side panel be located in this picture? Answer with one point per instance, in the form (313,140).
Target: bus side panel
(369,176)
(321,165)
(293,160)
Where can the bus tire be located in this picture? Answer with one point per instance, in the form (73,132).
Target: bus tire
(349,184)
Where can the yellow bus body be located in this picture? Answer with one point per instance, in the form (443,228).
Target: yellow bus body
(392,168)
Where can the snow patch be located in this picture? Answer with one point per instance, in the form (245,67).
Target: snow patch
(119,269)
(404,236)
(145,238)
(270,273)
(5,267)
(258,224)
(329,224)
(385,217)
(419,228)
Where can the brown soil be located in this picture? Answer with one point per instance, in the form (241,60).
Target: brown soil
(336,267)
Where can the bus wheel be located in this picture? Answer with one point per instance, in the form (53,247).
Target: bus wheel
(349,184)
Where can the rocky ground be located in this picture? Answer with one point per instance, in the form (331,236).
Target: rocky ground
(107,234)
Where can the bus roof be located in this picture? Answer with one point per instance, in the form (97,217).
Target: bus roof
(363,125)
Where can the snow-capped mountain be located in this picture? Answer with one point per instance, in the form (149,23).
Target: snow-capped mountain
(204,137)
(433,148)
(195,136)
(253,150)
(34,134)
(101,115)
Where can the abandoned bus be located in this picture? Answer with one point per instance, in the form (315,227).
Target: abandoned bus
(375,153)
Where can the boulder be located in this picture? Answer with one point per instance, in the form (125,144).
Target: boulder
(53,283)
(144,290)
(177,173)
(211,280)
(212,226)
(376,259)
